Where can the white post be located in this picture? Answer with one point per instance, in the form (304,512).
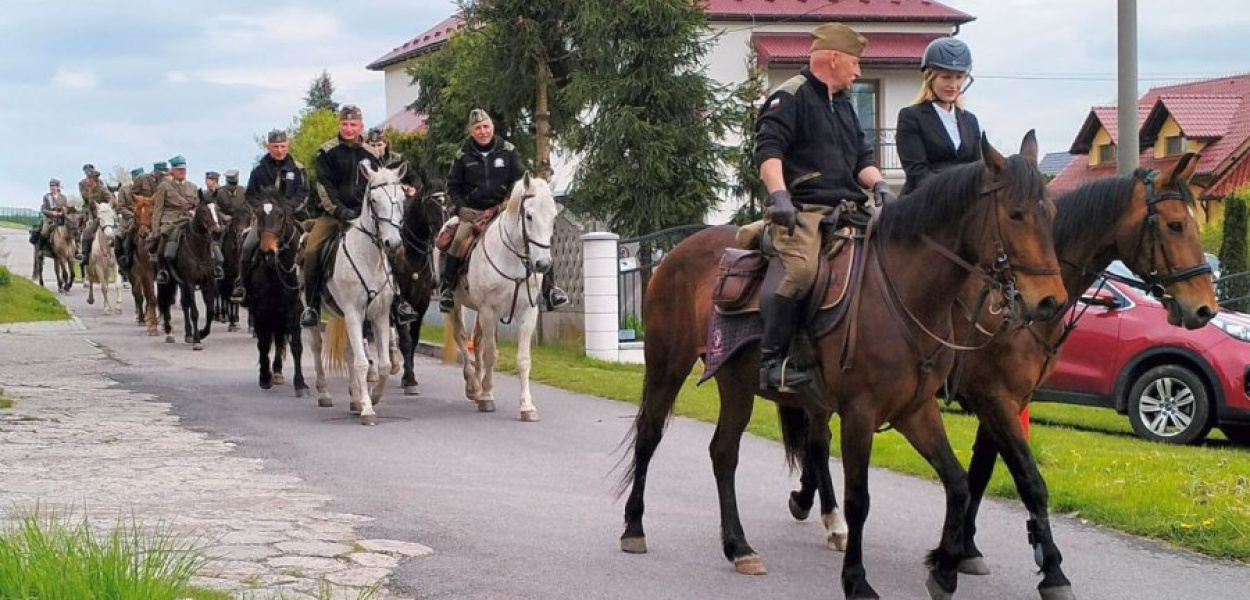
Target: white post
(601,295)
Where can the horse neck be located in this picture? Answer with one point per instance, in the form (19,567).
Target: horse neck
(1084,258)
(503,243)
(933,281)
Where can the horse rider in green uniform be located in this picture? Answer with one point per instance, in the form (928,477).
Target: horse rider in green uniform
(126,212)
(482,175)
(173,207)
(94,193)
(812,154)
(340,191)
(281,172)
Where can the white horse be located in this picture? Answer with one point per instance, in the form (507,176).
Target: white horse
(359,288)
(103,262)
(503,283)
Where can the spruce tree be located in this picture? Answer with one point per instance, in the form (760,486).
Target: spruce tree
(1233,251)
(321,93)
(748,186)
(650,148)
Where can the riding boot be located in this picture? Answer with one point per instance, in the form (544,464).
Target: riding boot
(404,313)
(247,258)
(447,282)
(776,370)
(311,319)
(84,257)
(169,253)
(218,260)
(123,258)
(553,296)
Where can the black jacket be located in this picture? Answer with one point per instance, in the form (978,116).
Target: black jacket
(286,175)
(393,160)
(340,182)
(481,181)
(819,141)
(925,148)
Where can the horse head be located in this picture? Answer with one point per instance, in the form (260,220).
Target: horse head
(207,218)
(382,211)
(271,220)
(143,213)
(1022,233)
(106,222)
(533,206)
(425,212)
(1159,241)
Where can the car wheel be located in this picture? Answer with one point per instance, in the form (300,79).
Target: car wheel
(1169,404)
(1237,434)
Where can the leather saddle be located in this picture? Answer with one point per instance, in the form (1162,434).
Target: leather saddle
(446,235)
(745,275)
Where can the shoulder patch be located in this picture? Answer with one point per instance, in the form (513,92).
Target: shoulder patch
(790,86)
(508,146)
(330,145)
(298,164)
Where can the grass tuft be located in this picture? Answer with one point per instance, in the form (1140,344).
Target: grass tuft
(22,301)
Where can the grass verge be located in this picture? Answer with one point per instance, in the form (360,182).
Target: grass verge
(22,301)
(1194,497)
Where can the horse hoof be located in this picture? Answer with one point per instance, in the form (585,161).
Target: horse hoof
(188,340)
(90,300)
(355,408)
(487,406)
(836,542)
(325,402)
(368,419)
(264,385)
(1062,592)
(169,339)
(279,378)
(530,416)
(752,564)
(796,510)
(197,346)
(232,328)
(935,591)
(411,390)
(634,545)
(974,566)
(301,392)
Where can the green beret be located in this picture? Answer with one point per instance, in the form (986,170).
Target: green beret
(137,171)
(178,162)
(839,37)
(160,167)
(277,136)
(477,115)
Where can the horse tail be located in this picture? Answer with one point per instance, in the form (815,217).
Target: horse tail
(795,428)
(335,353)
(659,396)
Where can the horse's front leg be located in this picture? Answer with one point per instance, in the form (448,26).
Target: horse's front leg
(190,316)
(279,344)
(264,342)
(528,321)
(296,341)
(926,433)
(359,367)
(382,337)
(472,388)
(485,329)
(324,399)
(407,347)
(209,294)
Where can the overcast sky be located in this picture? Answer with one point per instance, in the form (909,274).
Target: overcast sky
(128,82)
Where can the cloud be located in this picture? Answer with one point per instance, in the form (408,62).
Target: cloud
(177,78)
(75,79)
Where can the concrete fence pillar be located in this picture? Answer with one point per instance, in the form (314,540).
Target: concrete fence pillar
(602,295)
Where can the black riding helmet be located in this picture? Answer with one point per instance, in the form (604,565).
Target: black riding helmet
(947,53)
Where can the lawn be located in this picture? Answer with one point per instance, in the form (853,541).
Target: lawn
(22,301)
(1194,497)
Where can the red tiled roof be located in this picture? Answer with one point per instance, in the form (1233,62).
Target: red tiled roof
(428,40)
(1079,172)
(405,121)
(1107,118)
(1216,154)
(1199,116)
(835,10)
(1235,177)
(883,49)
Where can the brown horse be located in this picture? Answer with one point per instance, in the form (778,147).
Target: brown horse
(991,214)
(142,274)
(1146,221)
(191,269)
(64,245)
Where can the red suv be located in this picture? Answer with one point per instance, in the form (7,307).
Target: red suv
(1174,384)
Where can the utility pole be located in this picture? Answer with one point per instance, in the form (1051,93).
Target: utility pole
(1126,121)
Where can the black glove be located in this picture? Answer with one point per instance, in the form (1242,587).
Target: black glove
(346,214)
(783,213)
(881,193)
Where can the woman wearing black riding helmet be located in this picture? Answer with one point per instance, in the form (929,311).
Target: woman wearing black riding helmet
(936,132)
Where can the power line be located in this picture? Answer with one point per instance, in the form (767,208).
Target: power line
(1091,77)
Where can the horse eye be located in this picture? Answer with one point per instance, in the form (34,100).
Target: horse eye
(1176,227)
(1016,215)
(529,217)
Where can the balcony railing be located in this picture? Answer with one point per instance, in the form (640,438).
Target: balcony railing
(887,152)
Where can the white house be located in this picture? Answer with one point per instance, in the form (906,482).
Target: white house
(897,32)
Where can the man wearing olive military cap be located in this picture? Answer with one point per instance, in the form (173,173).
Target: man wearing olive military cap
(813,155)
(279,170)
(54,205)
(173,207)
(94,193)
(126,220)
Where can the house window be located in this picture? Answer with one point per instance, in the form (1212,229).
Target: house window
(864,98)
(1106,154)
(1175,145)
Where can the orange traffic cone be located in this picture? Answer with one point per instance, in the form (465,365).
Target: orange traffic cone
(1024,421)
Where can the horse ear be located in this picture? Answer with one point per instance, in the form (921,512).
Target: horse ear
(993,159)
(366,168)
(1028,147)
(527,179)
(1182,170)
(402,170)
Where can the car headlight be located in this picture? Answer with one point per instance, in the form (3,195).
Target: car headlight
(1232,328)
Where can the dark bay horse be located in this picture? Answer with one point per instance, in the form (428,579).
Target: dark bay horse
(992,215)
(142,273)
(1146,221)
(273,290)
(414,268)
(192,268)
(231,243)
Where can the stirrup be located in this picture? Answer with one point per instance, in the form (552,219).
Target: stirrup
(238,295)
(162,276)
(446,302)
(404,313)
(310,319)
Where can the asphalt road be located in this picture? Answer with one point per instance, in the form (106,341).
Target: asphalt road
(527,510)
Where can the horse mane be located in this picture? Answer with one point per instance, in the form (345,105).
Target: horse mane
(1093,207)
(949,195)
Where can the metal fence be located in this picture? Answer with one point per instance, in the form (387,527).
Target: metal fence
(638,257)
(25,216)
(1233,291)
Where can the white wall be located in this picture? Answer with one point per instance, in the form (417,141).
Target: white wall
(399,89)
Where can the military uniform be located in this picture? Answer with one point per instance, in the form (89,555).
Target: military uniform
(173,206)
(53,205)
(287,178)
(94,193)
